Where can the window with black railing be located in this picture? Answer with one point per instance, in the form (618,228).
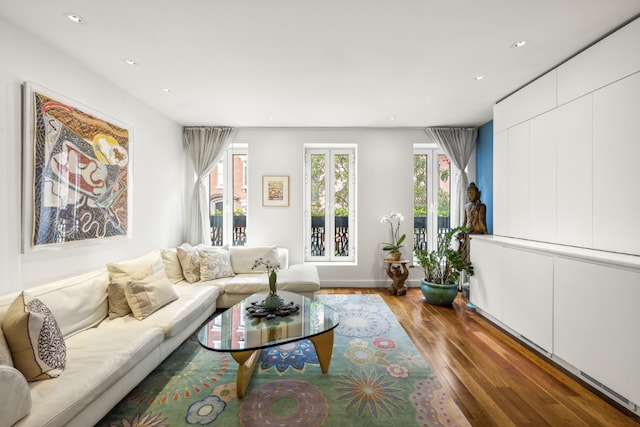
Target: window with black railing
(330,199)
(228,198)
(431,191)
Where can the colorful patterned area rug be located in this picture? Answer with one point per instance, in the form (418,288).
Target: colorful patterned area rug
(376,378)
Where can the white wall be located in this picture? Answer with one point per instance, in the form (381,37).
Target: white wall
(384,184)
(158,189)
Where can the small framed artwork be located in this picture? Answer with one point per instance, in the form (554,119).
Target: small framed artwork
(275,191)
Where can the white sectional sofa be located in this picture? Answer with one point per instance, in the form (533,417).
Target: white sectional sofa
(106,358)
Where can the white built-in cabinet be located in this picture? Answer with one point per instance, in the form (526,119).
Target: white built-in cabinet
(562,270)
(576,306)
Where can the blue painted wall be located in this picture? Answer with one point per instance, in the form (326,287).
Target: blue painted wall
(484,169)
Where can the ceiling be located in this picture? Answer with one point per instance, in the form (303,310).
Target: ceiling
(332,63)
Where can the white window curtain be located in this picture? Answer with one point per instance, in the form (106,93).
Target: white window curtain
(205,146)
(458,144)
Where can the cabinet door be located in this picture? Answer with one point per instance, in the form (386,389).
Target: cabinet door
(615,166)
(518,154)
(500,180)
(596,320)
(528,295)
(486,283)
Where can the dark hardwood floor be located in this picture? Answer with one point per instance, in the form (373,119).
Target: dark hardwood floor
(494,379)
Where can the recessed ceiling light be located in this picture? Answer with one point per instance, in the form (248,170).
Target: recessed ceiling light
(166,90)
(130,62)
(392,118)
(479,77)
(75,18)
(519,43)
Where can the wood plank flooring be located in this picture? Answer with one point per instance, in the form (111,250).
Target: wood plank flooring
(494,379)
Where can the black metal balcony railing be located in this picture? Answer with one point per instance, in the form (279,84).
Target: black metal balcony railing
(318,236)
(420,238)
(239,230)
(420,231)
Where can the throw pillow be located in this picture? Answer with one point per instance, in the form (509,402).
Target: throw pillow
(150,294)
(118,305)
(172,265)
(190,262)
(243,258)
(36,343)
(215,263)
(16,400)
(132,266)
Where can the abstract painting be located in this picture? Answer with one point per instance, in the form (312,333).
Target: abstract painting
(80,171)
(275,191)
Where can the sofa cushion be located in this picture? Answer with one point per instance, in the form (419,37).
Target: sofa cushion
(194,300)
(297,278)
(172,265)
(36,343)
(148,295)
(243,258)
(16,404)
(215,262)
(132,266)
(77,303)
(190,262)
(96,360)
(118,305)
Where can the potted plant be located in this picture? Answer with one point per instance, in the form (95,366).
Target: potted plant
(397,240)
(272,301)
(442,268)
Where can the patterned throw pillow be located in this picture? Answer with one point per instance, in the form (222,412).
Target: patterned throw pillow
(215,263)
(190,262)
(36,343)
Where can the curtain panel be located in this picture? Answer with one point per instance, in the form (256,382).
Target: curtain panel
(205,147)
(458,145)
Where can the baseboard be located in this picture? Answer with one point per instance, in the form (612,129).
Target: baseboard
(362,284)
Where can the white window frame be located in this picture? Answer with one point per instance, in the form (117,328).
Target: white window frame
(330,150)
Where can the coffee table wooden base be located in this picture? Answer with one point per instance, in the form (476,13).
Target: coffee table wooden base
(323,344)
(246,364)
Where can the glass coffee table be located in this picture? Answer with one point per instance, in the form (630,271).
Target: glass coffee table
(236,332)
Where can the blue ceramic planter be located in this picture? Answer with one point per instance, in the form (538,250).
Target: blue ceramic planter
(439,294)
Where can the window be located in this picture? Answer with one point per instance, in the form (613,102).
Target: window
(228,198)
(330,203)
(432,171)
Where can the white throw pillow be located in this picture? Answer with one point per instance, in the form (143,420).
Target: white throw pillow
(215,262)
(16,399)
(132,266)
(172,265)
(244,257)
(150,294)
